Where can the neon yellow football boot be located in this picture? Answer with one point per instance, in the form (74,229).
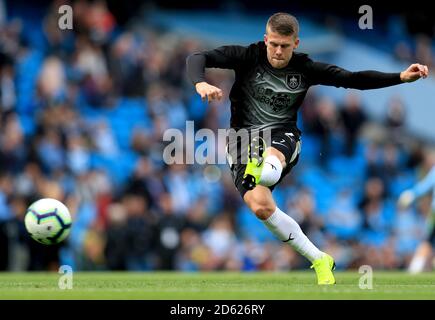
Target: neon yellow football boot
(254,166)
(324,267)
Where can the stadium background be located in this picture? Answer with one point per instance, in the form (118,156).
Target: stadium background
(82,114)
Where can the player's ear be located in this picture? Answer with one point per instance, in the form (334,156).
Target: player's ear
(296,42)
(265,38)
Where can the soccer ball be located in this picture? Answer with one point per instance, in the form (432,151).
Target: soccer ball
(48,221)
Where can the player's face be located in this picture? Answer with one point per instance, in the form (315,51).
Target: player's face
(280,48)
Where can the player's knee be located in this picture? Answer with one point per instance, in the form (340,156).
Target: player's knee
(271,172)
(263,211)
(262,208)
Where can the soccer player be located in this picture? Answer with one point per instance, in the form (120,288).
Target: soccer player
(271,81)
(406,198)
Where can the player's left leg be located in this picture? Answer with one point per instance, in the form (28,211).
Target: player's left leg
(266,163)
(268,158)
(424,251)
(274,164)
(267,172)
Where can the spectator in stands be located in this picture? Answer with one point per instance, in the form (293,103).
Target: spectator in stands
(395,119)
(353,118)
(325,126)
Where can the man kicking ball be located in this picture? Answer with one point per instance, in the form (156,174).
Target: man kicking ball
(271,81)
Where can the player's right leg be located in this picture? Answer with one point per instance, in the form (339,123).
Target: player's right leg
(420,258)
(259,199)
(261,202)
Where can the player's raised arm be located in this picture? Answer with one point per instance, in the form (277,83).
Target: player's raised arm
(414,72)
(327,74)
(195,66)
(424,186)
(225,57)
(207,91)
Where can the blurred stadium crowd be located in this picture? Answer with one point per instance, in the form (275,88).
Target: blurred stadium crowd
(82,116)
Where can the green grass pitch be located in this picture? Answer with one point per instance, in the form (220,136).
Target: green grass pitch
(216,285)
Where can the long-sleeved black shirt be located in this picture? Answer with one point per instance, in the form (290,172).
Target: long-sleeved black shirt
(265,97)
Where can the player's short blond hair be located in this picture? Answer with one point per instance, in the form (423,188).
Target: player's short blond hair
(283,23)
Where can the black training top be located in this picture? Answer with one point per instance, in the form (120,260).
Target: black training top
(265,97)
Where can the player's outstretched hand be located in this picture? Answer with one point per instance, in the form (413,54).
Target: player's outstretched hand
(405,199)
(208,91)
(414,72)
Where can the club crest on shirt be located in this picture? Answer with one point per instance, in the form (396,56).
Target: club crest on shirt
(293,80)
